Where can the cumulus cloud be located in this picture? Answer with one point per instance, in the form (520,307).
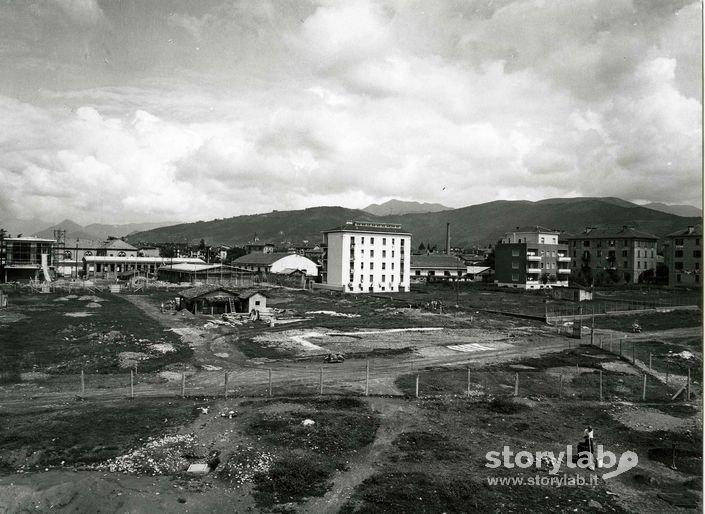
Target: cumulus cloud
(232,108)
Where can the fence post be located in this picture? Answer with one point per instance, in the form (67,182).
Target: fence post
(132,385)
(225,386)
(650,357)
(560,386)
(610,345)
(83,384)
(320,382)
(367,377)
(601,397)
(643,390)
(633,352)
(668,369)
(516,384)
(468,381)
(620,347)
(183,385)
(688,384)
(269,389)
(417,386)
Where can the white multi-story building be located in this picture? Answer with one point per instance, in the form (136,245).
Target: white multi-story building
(367,257)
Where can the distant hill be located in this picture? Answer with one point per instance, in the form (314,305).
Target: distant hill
(475,225)
(678,210)
(95,231)
(395,207)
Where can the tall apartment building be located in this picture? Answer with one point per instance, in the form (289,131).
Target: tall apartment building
(683,255)
(624,253)
(366,257)
(531,258)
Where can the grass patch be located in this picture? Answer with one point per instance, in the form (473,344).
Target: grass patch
(422,446)
(86,432)
(293,478)
(50,341)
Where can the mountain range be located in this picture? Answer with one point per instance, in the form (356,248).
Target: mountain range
(393,207)
(474,225)
(96,231)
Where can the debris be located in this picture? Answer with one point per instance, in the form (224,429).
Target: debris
(200,468)
(308,422)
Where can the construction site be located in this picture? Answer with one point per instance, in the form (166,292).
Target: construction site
(253,397)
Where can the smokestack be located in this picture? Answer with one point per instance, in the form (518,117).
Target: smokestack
(447,238)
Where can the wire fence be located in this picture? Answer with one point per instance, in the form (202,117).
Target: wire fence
(609,368)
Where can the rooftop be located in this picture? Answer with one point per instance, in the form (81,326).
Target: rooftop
(624,232)
(369,226)
(692,230)
(436,260)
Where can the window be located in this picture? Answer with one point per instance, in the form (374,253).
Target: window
(384,265)
(625,253)
(391,279)
(515,253)
(626,264)
(67,254)
(362,240)
(372,240)
(352,240)
(384,278)
(417,273)
(392,254)
(392,265)
(610,242)
(679,253)
(678,278)
(372,253)
(542,240)
(371,278)
(121,254)
(586,243)
(384,241)
(372,265)
(678,265)
(638,264)
(696,253)
(638,253)
(362,265)
(515,265)
(515,277)
(384,253)
(697,265)
(697,241)
(678,242)
(257,302)
(87,253)
(393,245)
(402,242)
(626,242)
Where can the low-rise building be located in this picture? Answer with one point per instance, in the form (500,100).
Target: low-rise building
(531,258)
(110,267)
(683,256)
(276,263)
(215,299)
(26,258)
(363,256)
(625,255)
(437,267)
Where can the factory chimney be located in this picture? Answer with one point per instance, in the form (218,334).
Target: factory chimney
(447,238)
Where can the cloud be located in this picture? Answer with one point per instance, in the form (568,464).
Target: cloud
(86,12)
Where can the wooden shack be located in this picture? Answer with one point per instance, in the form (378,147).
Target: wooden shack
(209,299)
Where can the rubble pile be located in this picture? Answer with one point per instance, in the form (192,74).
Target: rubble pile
(244,463)
(165,455)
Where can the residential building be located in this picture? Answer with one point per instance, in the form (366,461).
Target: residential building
(69,254)
(363,256)
(276,263)
(437,267)
(683,255)
(532,258)
(116,266)
(625,255)
(259,248)
(26,258)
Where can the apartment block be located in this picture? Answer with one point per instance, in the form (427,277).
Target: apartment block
(532,258)
(683,255)
(366,257)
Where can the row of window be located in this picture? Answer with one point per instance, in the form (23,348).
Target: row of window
(372,278)
(679,242)
(372,265)
(696,253)
(611,254)
(372,240)
(613,242)
(679,265)
(372,253)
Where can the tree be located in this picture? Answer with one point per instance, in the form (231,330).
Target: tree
(422,247)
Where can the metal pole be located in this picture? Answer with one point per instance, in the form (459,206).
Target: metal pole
(643,390)
(367,378)
(620,347)
(601,397)
(688,384)
(132,385)
(183,385)
(417,386)
(269,391)
(668,369)
(592,329)
(225,386)
(650,357)
(468,381)
(633,352)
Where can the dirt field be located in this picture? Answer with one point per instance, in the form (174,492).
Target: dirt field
(66,449)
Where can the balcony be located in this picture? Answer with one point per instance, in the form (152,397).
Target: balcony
(533,257)
(533,270)
(564,271)
(563,258)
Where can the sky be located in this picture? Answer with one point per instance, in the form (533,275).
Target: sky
(154,110)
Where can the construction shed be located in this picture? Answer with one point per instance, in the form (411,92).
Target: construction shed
(209,299)
(252,300)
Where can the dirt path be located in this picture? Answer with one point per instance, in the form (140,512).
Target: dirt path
(396,416)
